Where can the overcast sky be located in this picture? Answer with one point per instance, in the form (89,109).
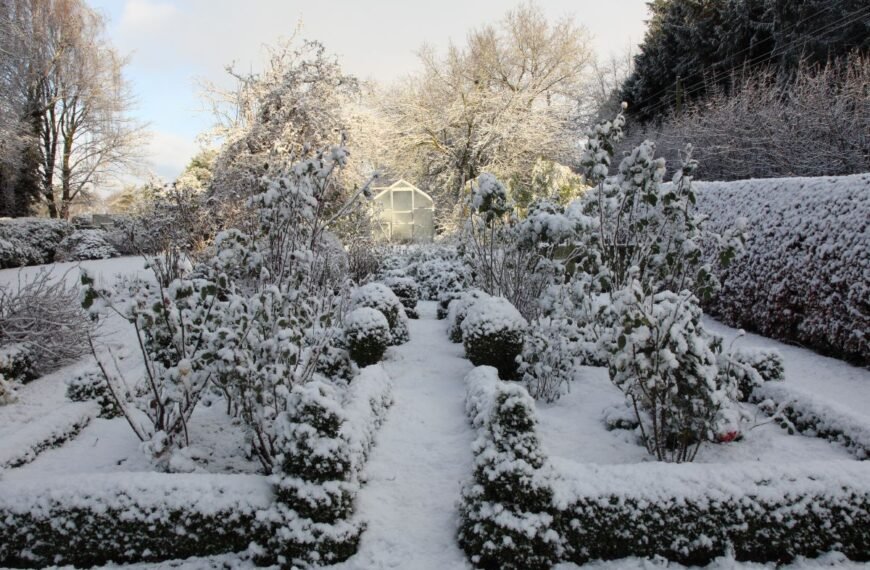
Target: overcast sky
(172,43)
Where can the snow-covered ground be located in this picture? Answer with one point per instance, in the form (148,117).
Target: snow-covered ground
(422,456)
(423,451)
(106,445)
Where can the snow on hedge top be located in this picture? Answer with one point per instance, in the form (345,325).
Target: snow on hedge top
(366,319)
(375,295)
(667,482)
(491,315)
(138,493)
(805,275)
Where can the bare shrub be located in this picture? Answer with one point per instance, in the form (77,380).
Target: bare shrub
(43,312)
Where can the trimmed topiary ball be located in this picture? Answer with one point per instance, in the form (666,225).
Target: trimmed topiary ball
(16,363)
(379,297)
(91,385)
(493,332)
(457,309)
(408,292)
(368,335)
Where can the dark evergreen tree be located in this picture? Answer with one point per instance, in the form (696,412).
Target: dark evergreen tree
(695,47)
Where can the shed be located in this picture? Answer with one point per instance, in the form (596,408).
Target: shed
(406,213)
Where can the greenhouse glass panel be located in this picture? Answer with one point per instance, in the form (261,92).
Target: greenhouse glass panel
(402,200)
(402,232)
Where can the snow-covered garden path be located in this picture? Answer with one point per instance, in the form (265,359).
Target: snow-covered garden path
(422,456)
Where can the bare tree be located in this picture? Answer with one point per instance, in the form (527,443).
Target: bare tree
(77,99)
(497,104)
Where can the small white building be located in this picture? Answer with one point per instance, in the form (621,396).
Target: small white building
(406,213)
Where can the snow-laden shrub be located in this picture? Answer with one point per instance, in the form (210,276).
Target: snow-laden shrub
(750,368)
(335,362)
(489,197)
(457,309)
(31,241)
(378,296)
(367,334)
(179,334)
(85,244)
(692,514)
(8,393)
(408,292)
(128,517)
(504,511)
(548,362)
(444,300)
(90,385)
(441,275)
(803,277)
(42,312)
(664,363)
(314,481)
(17,364)
(492,334)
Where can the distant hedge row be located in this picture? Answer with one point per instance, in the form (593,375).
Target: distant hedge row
(805,277)
(522,510)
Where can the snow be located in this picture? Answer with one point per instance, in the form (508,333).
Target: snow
(804,277)
(422,455)
(826,379)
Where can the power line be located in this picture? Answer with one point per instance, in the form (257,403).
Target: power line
(760,59)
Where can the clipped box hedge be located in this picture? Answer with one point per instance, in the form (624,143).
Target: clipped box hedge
(95,519)
(694,513)
(687,513)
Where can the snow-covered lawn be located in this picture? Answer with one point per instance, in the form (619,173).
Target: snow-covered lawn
(573,427)
(106,445)
(423,452)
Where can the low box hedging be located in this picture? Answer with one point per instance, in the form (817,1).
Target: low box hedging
(693,513)
(809,415)
(45,433)
(95,519)
(688,513)
(301,515)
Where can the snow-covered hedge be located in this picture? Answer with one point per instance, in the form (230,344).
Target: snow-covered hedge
(367,401)
(407,290)
(44,433)
(367,334)
(457,308)
(90,385)
(303,514)
(504,518)
(492,333)
(379,296)
(526,511)
(804,275)
(125,517)
(85,244)
(16,363)
(694,513)
(30,241)
(808,414)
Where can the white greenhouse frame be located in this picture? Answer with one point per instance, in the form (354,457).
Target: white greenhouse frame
(405,224)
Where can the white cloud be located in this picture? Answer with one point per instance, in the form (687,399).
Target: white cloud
(142,16)
(168,153)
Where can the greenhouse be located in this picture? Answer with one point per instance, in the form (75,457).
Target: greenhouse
(406,213)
